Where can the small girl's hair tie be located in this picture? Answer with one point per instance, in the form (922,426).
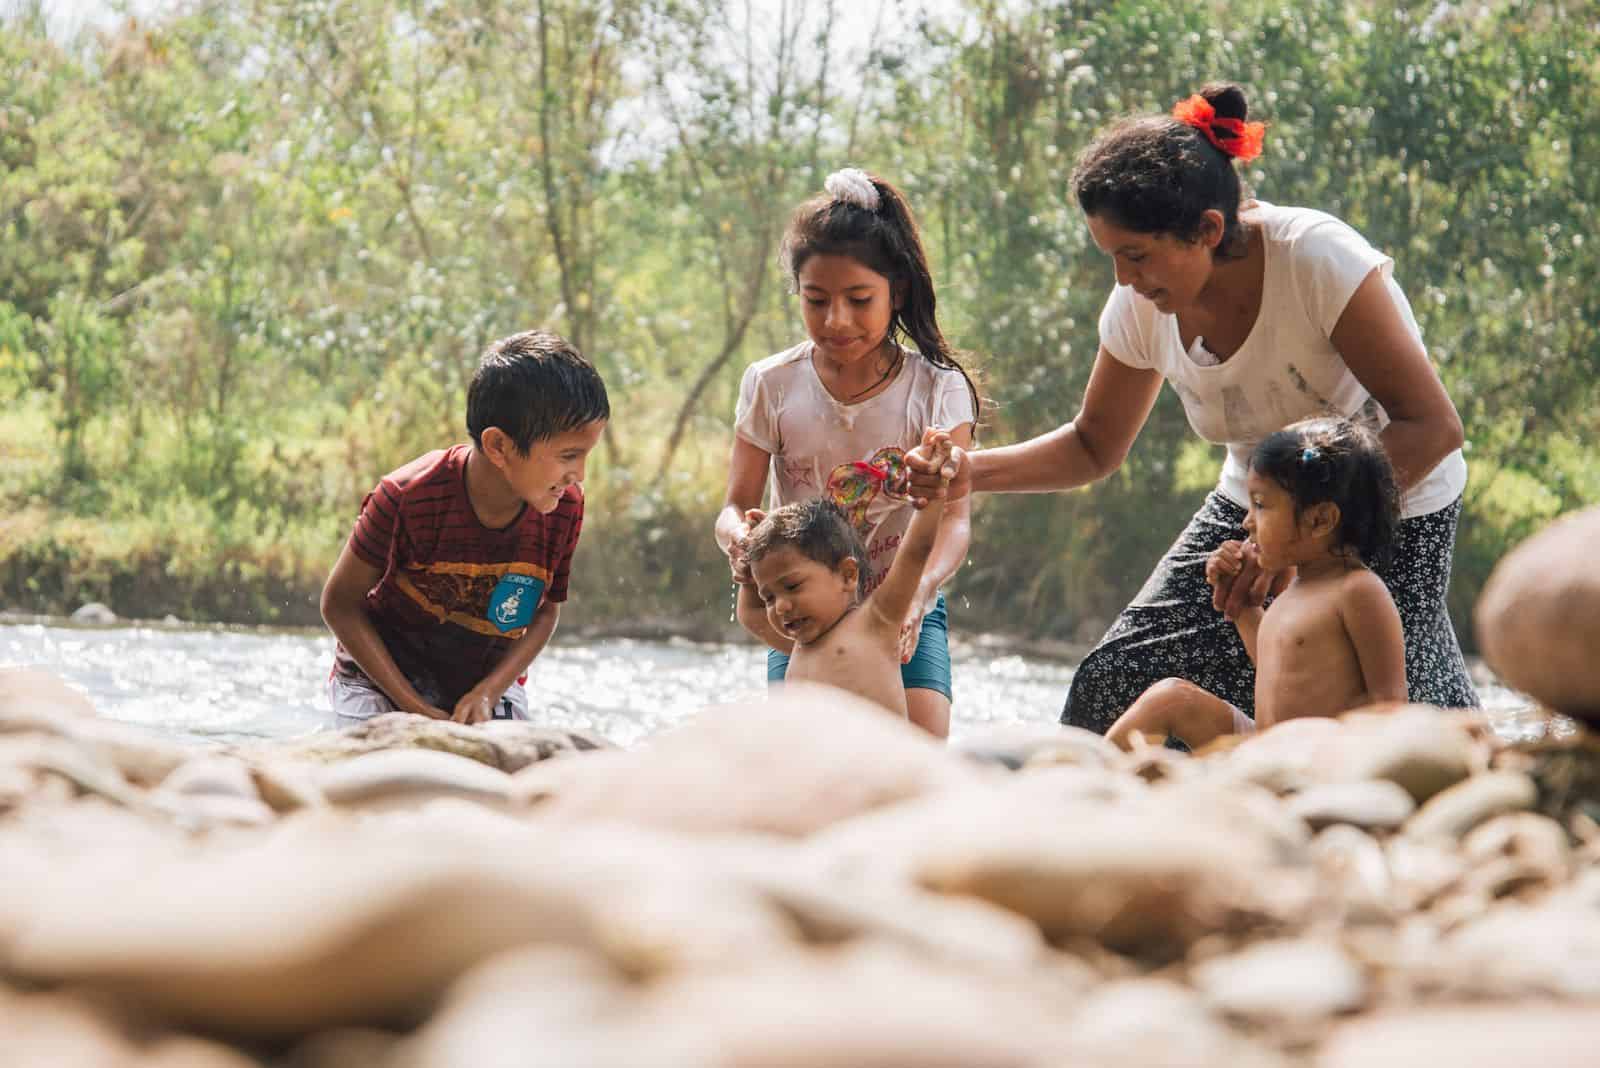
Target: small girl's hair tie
(1234,137)
(1310,454)
(853,187)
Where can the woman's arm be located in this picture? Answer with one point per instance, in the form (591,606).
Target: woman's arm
(1116,404)
(1386,358)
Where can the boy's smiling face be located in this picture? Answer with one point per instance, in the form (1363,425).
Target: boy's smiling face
(551,465)
(804,598)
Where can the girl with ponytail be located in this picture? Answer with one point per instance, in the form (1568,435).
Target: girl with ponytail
(1259,316)
(835,415)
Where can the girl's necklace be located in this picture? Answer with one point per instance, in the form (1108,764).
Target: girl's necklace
(893,366)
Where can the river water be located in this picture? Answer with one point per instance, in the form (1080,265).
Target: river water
(232,684)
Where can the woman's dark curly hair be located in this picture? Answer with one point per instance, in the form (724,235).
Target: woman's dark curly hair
(1330,459)
(1156,175)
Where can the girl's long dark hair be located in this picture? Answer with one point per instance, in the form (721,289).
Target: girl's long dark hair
(1329,459)
(888,241)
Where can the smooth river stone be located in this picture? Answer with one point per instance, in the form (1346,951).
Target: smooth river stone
(316,924)
(411,776)
(1375,805)
(857,1006)
(790,764)
(1462,807)
(1038,745)
(1289,979)
(1157,1023)
(30,695)
(1417,747)
(1139,878)
(1354,867)
(216,776)
(1538,617)
(1469,1036)
(58,1030)
(1536,843)
(1517,950)
(508,746)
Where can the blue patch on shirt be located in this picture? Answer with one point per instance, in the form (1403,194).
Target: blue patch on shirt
(512,603)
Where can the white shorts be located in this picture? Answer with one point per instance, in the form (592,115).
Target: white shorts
(356,700)
(1242,724)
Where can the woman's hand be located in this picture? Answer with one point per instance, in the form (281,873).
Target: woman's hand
(1223,564)
(938,468)
(1246,587)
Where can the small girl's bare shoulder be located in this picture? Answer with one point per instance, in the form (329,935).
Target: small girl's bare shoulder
(1361,586)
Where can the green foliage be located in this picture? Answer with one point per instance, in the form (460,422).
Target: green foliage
(249,254)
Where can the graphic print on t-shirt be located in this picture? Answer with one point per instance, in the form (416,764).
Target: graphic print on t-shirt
(853,486)
(478,594)
(512,603)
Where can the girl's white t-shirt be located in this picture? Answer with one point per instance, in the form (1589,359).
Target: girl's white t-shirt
(1287,369)
(851,453)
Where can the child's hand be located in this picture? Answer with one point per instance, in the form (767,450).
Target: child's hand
(911,632)
(938,469)
(1226,562)
(737,562)
(475,707)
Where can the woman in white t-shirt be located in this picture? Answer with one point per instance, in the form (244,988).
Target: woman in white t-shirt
(1258,316)
(835,415)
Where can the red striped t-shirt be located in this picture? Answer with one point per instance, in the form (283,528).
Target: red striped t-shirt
(455,594)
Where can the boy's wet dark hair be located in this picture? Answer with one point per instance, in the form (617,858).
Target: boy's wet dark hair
(1157,175)
(533,386)
(1336,460)
(817,530)
(887,240)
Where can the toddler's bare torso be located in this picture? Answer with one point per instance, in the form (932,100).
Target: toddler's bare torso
(1306,663)
(853,656)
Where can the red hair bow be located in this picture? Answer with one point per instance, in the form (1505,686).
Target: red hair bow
(1243,140)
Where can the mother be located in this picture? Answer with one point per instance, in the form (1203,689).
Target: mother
(1258,316)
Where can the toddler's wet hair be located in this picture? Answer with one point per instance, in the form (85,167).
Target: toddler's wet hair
(1330,459)
(816,529)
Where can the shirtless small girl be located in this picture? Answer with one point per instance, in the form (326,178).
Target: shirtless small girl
(808,570)
(1323,511)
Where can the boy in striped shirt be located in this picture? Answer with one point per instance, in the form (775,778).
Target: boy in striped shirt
(453,579)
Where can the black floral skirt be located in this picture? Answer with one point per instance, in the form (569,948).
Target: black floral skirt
(1171,631)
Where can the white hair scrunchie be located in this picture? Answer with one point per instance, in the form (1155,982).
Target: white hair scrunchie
(853,187)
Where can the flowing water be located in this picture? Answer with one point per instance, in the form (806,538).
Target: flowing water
(231,684)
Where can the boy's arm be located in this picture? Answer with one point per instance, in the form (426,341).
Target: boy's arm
(344,609)
(478,703)
(1373,623)
(753,614)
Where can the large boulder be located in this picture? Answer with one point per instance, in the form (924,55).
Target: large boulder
(1538,618)
(798,761)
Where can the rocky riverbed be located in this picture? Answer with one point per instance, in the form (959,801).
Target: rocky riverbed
(794,883)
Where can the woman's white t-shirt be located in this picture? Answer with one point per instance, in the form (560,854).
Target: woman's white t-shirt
(851,453)
(1287,369)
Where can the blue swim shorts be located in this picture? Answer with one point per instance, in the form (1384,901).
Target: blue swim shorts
(928,668)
